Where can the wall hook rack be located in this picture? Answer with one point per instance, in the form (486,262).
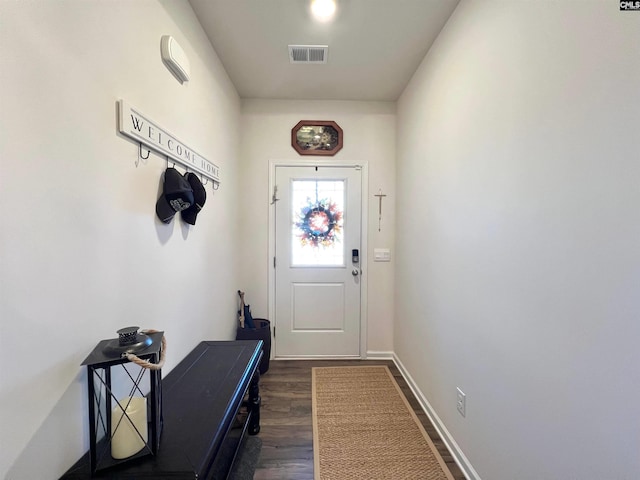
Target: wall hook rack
(134,124)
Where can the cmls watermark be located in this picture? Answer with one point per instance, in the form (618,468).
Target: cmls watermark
(630,5)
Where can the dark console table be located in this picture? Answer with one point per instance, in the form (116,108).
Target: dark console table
(204,421)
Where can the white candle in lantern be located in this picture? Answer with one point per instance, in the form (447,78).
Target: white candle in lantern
(125,440)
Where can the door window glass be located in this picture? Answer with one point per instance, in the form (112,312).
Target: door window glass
(317,209)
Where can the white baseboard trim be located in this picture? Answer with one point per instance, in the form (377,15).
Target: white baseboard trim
(456,452)
(376,355)
(318,357)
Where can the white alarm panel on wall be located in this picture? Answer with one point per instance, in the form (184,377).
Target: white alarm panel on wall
(175,58)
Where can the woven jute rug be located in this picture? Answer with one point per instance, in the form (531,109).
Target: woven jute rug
(364,428)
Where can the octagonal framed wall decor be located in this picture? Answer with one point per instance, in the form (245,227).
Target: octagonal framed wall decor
(317,137)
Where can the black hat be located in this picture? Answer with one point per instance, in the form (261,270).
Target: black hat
(177,195)
(199,197)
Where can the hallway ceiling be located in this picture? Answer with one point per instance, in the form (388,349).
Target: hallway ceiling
(375,46)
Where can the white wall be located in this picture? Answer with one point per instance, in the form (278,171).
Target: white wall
(369,136)
(518,237)
(81,251)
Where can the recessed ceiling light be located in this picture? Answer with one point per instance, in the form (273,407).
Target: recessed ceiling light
(323,10)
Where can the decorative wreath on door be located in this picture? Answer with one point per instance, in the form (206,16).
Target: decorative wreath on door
(319,223)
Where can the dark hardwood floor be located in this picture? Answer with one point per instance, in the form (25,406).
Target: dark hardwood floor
(286,428)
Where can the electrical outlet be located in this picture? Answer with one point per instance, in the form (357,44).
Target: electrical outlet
(461,402)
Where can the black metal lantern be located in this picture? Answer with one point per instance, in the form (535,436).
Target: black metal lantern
(125,397)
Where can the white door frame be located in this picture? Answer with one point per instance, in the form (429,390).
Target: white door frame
(363,239)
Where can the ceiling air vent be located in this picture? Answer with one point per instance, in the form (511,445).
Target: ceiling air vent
(308,53)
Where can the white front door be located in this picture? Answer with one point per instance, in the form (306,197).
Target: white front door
(317,274)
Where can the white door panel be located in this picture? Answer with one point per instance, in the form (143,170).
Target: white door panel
(318,306)
(317,285)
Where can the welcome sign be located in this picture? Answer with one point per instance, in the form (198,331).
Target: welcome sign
(134,124)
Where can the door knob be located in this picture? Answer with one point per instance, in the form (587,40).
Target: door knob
(355,272)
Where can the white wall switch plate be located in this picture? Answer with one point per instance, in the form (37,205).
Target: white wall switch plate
(381,255)
(461,402)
